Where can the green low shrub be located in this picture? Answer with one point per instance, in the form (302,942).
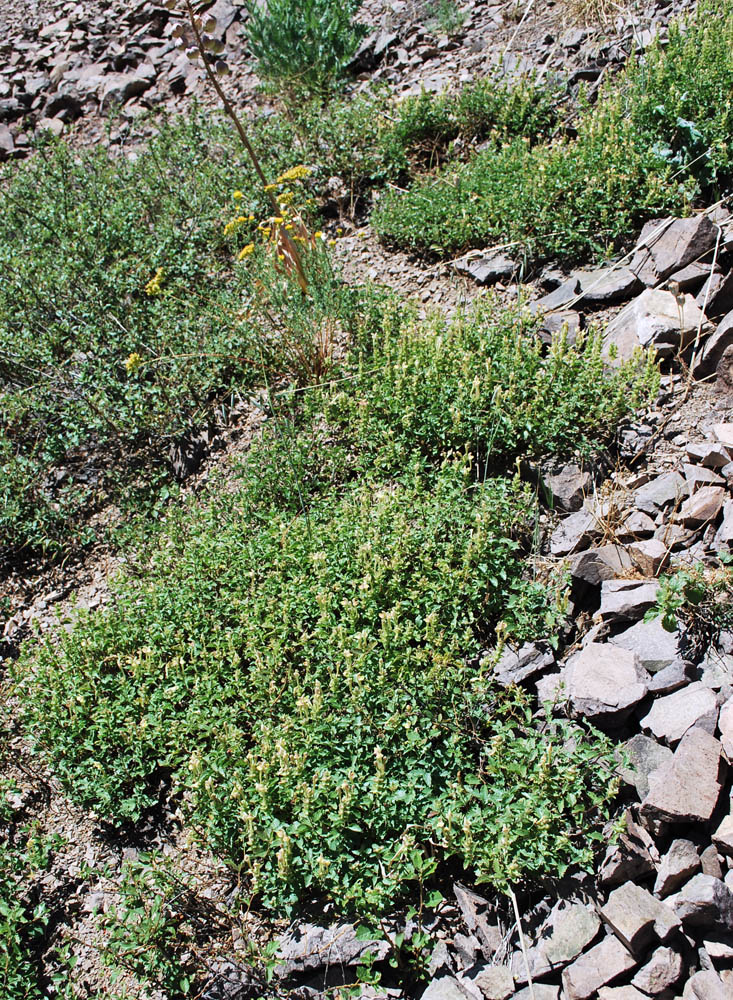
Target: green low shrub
(657,138)
(307,682)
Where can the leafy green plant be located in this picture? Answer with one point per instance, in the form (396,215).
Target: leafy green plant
(303,46)
(698,601)
(657,137)
(444,17)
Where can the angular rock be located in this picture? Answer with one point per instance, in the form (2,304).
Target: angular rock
(487,268)
(669,488)
(662,970)
(716,295)
(678,865)
(673,677)
(645,756)
(687,788)
(568,487)
(707,985)
(551,688)
(671,716)
(690,278)
(605,682)
(655,319)
(495,982)
(636,525)
(725,725)
(561,321)
(723,836)
(710,454)
(681,243)
(714,347)
(710,862)
(601,287)
(516,666)
(606,562)
(636,917)
(444,988)
(567,932)
(602,964)
(649,556)
(716,670)
(120,87)
(705,901)
(724,434)
(309,946)
(631,857)
(7,143)
(626,600)
(696,476)
(702,507)
(541,991)
(621,993)
(652,643)
(573,533)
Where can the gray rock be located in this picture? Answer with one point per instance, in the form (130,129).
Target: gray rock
(605,682)
(679,864)
(631,857)
(713,348)
(662,491)
(645,756)
(636,525)
(702,507)
(560,321)
(7,143)
(690,278)
(723,836)
(711,454)
(519,665)
(567,932)
(444,988)
(671,716)
(698,476)
(687,788)
(621,993)
(118,88)
(649,556)
(486,268)
(473,909)
(681,243)
(601,287)
(710,862)
(495,982)
(655,647)
(606,562)
(574,533)
(672,677)
(716,295)
(705,901)
(597,967)
(636,917)
(716,670)
(724,534)
(541,991)
(626,600)
(568,487)
(662,970)
(308,947)
(654,320)
(440,960)
(707,985)
(725,725)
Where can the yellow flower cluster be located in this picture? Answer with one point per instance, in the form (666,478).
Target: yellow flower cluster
(133,362)
(246,251)
(155,285)
(234,225)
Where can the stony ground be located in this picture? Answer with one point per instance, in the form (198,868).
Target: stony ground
(657,920)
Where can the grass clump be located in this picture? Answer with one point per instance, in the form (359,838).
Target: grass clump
(656,139)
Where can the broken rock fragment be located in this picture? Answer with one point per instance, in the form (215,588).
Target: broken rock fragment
(678,865)
(687,788)
(604,682)
(602,964)
(637,918)
(656,319)
(671,716)
(705,901)
(626,600)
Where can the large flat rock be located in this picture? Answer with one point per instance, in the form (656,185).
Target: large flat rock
(687,788)
(605,682)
